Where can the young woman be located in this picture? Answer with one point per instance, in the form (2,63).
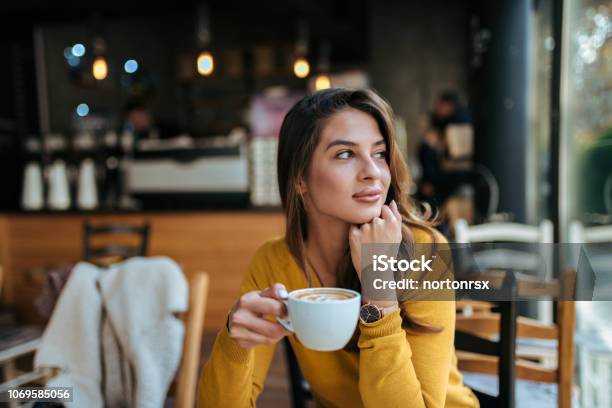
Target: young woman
(342,182)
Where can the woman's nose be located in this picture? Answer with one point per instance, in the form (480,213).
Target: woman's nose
(369,169)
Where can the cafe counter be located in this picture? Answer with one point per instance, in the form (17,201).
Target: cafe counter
(220,243)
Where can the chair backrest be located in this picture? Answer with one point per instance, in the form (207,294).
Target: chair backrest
(486,325)
(590,235)
(513,233)
(503,232)
(187,376)
(483,175)
(114,231)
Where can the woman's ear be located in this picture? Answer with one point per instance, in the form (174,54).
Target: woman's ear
(301,187)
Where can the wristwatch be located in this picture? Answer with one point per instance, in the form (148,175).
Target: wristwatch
(371,313)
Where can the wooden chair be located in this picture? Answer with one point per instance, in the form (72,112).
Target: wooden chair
(477,352)
(482,201)
(486,193)
(193,319)
(508,259)
(469,307)
(187,377)
(117,250)
(188,372)
(472,345)
(17,341)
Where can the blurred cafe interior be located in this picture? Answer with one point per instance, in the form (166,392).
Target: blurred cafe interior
(133,129)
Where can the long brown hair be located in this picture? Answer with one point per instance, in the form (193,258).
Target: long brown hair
(299,135)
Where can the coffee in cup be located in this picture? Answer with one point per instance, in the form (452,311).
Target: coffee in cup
(324,295)
(323,319)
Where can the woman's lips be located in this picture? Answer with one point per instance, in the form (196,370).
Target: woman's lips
(368,199)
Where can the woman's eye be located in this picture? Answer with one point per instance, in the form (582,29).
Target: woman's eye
(382,154)
(344,155)
(347,154)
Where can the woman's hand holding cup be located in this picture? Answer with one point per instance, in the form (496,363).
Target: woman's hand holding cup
(247,323)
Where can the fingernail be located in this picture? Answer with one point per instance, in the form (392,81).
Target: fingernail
(394,203)
(282,292)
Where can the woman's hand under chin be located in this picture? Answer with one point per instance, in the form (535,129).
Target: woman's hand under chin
(386,229)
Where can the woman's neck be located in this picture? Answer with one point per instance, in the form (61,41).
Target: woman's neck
(326,244)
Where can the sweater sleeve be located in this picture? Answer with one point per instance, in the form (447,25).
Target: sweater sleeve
(400,366)
(234,376)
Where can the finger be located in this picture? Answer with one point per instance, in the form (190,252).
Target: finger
(260,338)
(277,291)
(386,213)
(263,305)
(378,224)
(264,327)
(243,335)
(395,210)
(354,234)
(280,290)
(355,241)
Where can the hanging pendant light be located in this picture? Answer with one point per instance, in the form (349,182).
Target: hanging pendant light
(323,80)
(100,66)
(205,63)
(301,66)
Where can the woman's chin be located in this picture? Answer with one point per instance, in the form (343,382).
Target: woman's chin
(364,215)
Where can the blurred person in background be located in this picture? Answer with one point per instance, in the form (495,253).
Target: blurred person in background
(436,183)
(432,147)
(138,119)
(448,110)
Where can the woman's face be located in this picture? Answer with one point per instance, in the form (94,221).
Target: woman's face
(349,176)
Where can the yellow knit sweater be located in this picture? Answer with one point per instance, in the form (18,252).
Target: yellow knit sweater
(395,367)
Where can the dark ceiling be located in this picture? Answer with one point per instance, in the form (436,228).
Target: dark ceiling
(343,23)
(60,10)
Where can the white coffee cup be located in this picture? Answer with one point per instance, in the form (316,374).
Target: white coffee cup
(323,319)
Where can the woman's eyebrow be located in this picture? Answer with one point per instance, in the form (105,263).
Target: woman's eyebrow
(349,143)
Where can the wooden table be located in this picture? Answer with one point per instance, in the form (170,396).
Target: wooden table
(220,243)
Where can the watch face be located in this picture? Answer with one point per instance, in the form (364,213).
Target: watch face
(369,313)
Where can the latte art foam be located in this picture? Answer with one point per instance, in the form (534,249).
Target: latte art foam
(324,296)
